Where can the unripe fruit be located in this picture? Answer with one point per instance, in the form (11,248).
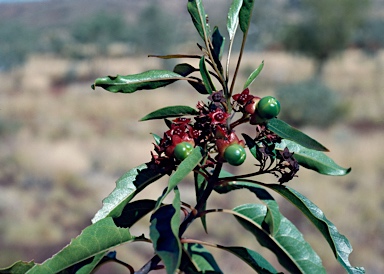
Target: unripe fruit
(235,154)
(182,150)
(268,107)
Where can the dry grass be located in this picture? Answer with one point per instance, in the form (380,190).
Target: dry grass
(64,145)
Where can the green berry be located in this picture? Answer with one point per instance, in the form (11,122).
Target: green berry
(235,154)
(182,150)
(268,107)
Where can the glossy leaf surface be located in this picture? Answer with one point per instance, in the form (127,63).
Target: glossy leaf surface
(313,159)
(292,251)
(127,186)
(169,112)
(164,233)
(233,18)
(285,131)
(94,239)
(151,79)
(339,244)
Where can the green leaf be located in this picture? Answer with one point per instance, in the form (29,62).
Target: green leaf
(199,85)
(95,239)
(251,144)
(313,159)
(206,77)
(253,75)
(201,258)
(156,138)
(289,246)
(185,167)
(133,212)
(245,15)
(87,268)
(171,111)
(287,132)
(200,186)
(199,18)
(17,268)
(127,186)
(164,233)
(273,216)
(184,69)
(151,79)
(339,244)
(218,46)
(233,18)
(252,258)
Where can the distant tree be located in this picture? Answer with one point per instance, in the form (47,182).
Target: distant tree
(16,42)
(324,29)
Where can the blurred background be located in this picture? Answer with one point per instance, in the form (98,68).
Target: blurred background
(63,145)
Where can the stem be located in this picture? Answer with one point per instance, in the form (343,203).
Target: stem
(238,62)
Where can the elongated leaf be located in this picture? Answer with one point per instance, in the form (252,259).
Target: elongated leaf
(151,79)
(273,216)
(164,233)
(201,258)
(184,69)
(156,138)
(95,239)
(86,266)
(205,76)
(185,167)
(133,212)
(285,131)
(199,17)
(253,75)
(198,85)
(168,112)
(245,15)
(292,251)
(233,17)
(200,185)
(176,56)
(252,258)
(218,46)
(17,268)
(127,186)
(339,244)
(313,159)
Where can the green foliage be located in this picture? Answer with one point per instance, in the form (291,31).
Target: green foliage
(310,103)
(278,148)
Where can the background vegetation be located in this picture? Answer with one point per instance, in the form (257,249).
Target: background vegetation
(58,138)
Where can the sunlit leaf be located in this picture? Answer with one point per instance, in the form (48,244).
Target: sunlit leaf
(339,244)
(168,112)
(285,131)
(313,159)
(95,239)
(164,233)
(127,186)
(151,79)
(289,246)
(233,17)
(253,75)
